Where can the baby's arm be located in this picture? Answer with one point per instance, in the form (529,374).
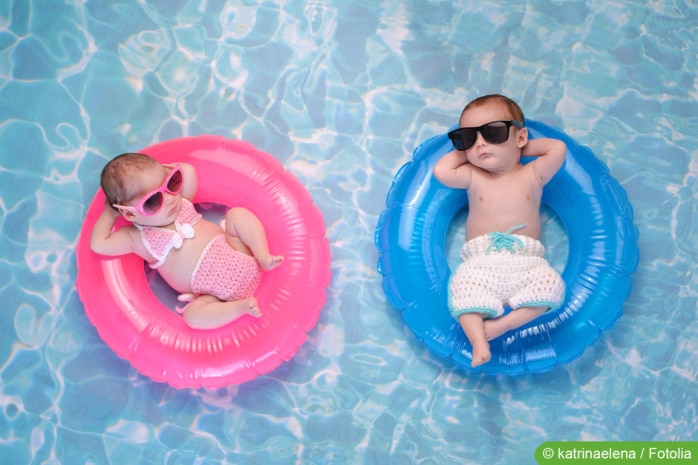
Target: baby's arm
(453,170)
(190,182)
(105,242)
(551,155)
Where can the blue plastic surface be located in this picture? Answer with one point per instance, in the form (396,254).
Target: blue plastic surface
(603,254)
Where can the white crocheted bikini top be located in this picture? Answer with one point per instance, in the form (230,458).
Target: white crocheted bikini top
(161,241)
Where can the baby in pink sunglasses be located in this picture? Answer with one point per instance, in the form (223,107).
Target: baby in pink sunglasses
(215,269)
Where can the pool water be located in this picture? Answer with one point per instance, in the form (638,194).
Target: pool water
(340,92)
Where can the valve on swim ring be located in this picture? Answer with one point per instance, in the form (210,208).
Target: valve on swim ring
(602,256)
(138,327)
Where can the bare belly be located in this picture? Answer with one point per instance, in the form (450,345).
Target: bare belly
(477,226)
(179,265)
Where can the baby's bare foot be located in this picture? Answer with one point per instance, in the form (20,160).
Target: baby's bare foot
(271,262)
(481,354)
(252,307)
(495,328)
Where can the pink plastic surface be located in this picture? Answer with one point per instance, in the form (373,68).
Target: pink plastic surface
(138,327)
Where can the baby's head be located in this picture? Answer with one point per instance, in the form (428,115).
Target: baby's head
(509,108)
(496,121)
(119,175)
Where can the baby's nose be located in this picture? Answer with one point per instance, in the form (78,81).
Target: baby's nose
(169,198)
(479,139)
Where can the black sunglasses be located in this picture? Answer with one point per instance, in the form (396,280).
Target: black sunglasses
(496,132)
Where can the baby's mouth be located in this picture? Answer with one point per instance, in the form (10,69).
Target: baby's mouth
(174,209)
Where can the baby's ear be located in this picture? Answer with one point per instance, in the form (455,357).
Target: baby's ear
(127,214)
(522,137)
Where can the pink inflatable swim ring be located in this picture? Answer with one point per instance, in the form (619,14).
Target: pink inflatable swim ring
(138,327)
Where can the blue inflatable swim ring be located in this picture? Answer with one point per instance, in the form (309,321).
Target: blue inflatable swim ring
(603,254)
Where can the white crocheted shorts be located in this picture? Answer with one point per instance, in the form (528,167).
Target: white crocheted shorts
(503,269)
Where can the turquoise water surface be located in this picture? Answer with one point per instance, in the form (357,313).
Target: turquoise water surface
(340,92)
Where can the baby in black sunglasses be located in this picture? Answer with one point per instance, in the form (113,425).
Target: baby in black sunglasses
(503,258)
(215,268)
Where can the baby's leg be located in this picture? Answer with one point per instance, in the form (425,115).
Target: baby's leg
(245,234)
(512,320)
(207,312)
(474,329)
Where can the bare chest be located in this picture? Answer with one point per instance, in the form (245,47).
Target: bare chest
(519,189)
(497,204)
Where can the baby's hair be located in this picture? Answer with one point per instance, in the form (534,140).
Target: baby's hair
(511,106)
(116,174)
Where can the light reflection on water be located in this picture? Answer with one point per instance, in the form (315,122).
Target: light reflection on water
(341,93)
